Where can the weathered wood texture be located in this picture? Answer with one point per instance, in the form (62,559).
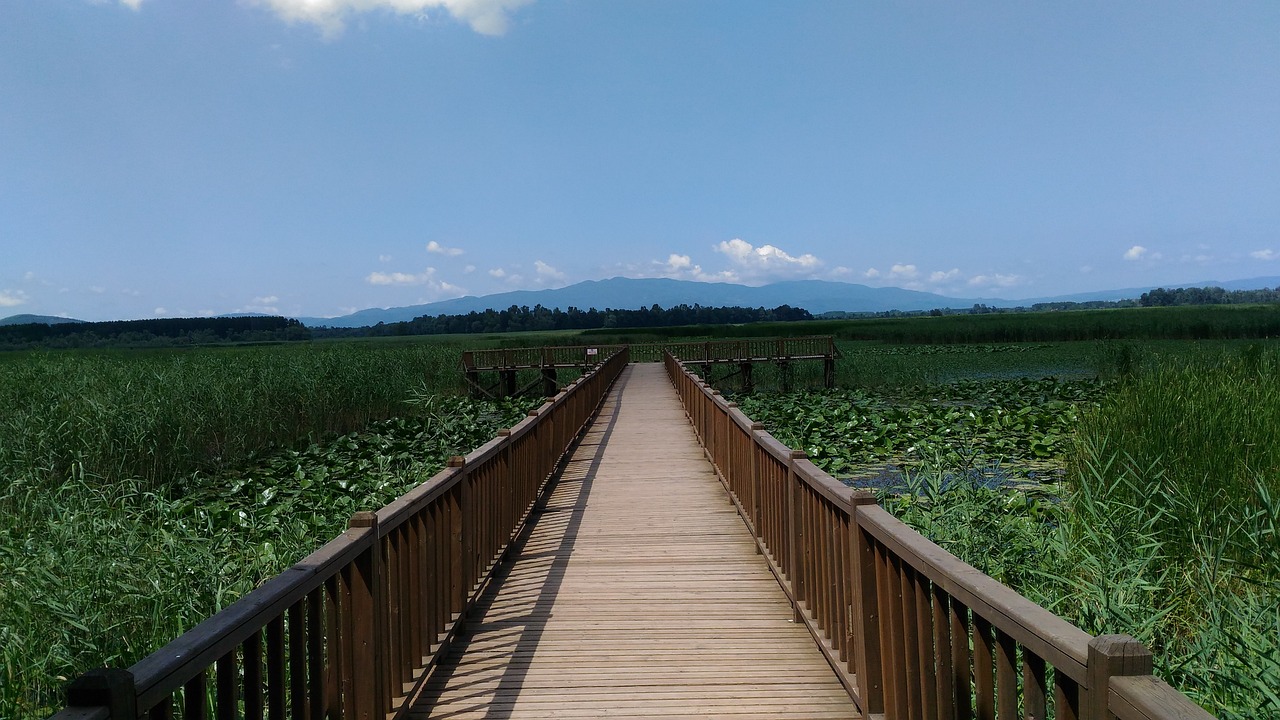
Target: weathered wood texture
(638,593)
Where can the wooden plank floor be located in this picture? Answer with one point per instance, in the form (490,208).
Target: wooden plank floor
(638,594)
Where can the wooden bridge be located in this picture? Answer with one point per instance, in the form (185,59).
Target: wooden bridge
(740,355)
(636,547)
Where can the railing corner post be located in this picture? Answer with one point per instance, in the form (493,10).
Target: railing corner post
(1111,656)
(866,612)
(112,688)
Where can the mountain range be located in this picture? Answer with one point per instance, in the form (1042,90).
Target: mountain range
(816,296)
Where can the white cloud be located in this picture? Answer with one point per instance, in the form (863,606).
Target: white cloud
(12,298)
(438,249)
(487,17)
(1135,253)
(546,273)
(841,271)
(29,276)
(871,274)
(682,267)
(384,258)
(995,280)
(938,276)
(426,278)
(765,262)
(904,271)
(498,273)
(265,300)
(469,269)
(160,311)
(677,263)
(399,278)
(1267,254)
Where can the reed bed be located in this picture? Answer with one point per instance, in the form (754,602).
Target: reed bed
(143,492)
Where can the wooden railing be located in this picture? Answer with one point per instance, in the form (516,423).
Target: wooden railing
(752,350)
(709,351)
(350,630)
(912,631)
(538,357)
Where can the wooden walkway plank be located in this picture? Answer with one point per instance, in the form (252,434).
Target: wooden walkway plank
(639,593)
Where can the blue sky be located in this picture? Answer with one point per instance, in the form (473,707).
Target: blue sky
(314,157)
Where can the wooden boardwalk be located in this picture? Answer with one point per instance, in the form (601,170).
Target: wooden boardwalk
(638,593)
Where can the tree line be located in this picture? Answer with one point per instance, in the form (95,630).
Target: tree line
(158,332)
(1161,297)
(524,318)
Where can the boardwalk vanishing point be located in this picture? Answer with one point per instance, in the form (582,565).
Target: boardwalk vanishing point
(639,593)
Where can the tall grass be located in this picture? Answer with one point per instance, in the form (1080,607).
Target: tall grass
(1173,524)
(1206,432)
(142,492)
(158,414)
(1168,528)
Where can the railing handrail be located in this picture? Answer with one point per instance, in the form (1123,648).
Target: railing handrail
(833,549)
(476,534)
(807,346)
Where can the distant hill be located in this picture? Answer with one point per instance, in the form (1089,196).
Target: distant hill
(816,296)
(29,319)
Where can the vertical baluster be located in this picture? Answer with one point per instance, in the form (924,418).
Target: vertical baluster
(865,658)
(297,659)
(1006,676)
(983,662)
(895,676)
(276,694)
(960,660)
(943,652)
(1034,689)
(911,640)
(195,697)
(1066,697)
(252,652)
(227,673)
(394,650)
(335,650)
(927,653)
(316,678)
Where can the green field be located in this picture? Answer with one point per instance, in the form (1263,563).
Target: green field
(1129,485)
(142,491)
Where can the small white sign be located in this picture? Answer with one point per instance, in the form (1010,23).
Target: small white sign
(591,351)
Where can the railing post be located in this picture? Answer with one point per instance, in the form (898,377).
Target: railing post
(112,688)
(732,454)
(1111,656)
(459,543)
(756,482)
(369,672)
(795,533)
(866,613)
